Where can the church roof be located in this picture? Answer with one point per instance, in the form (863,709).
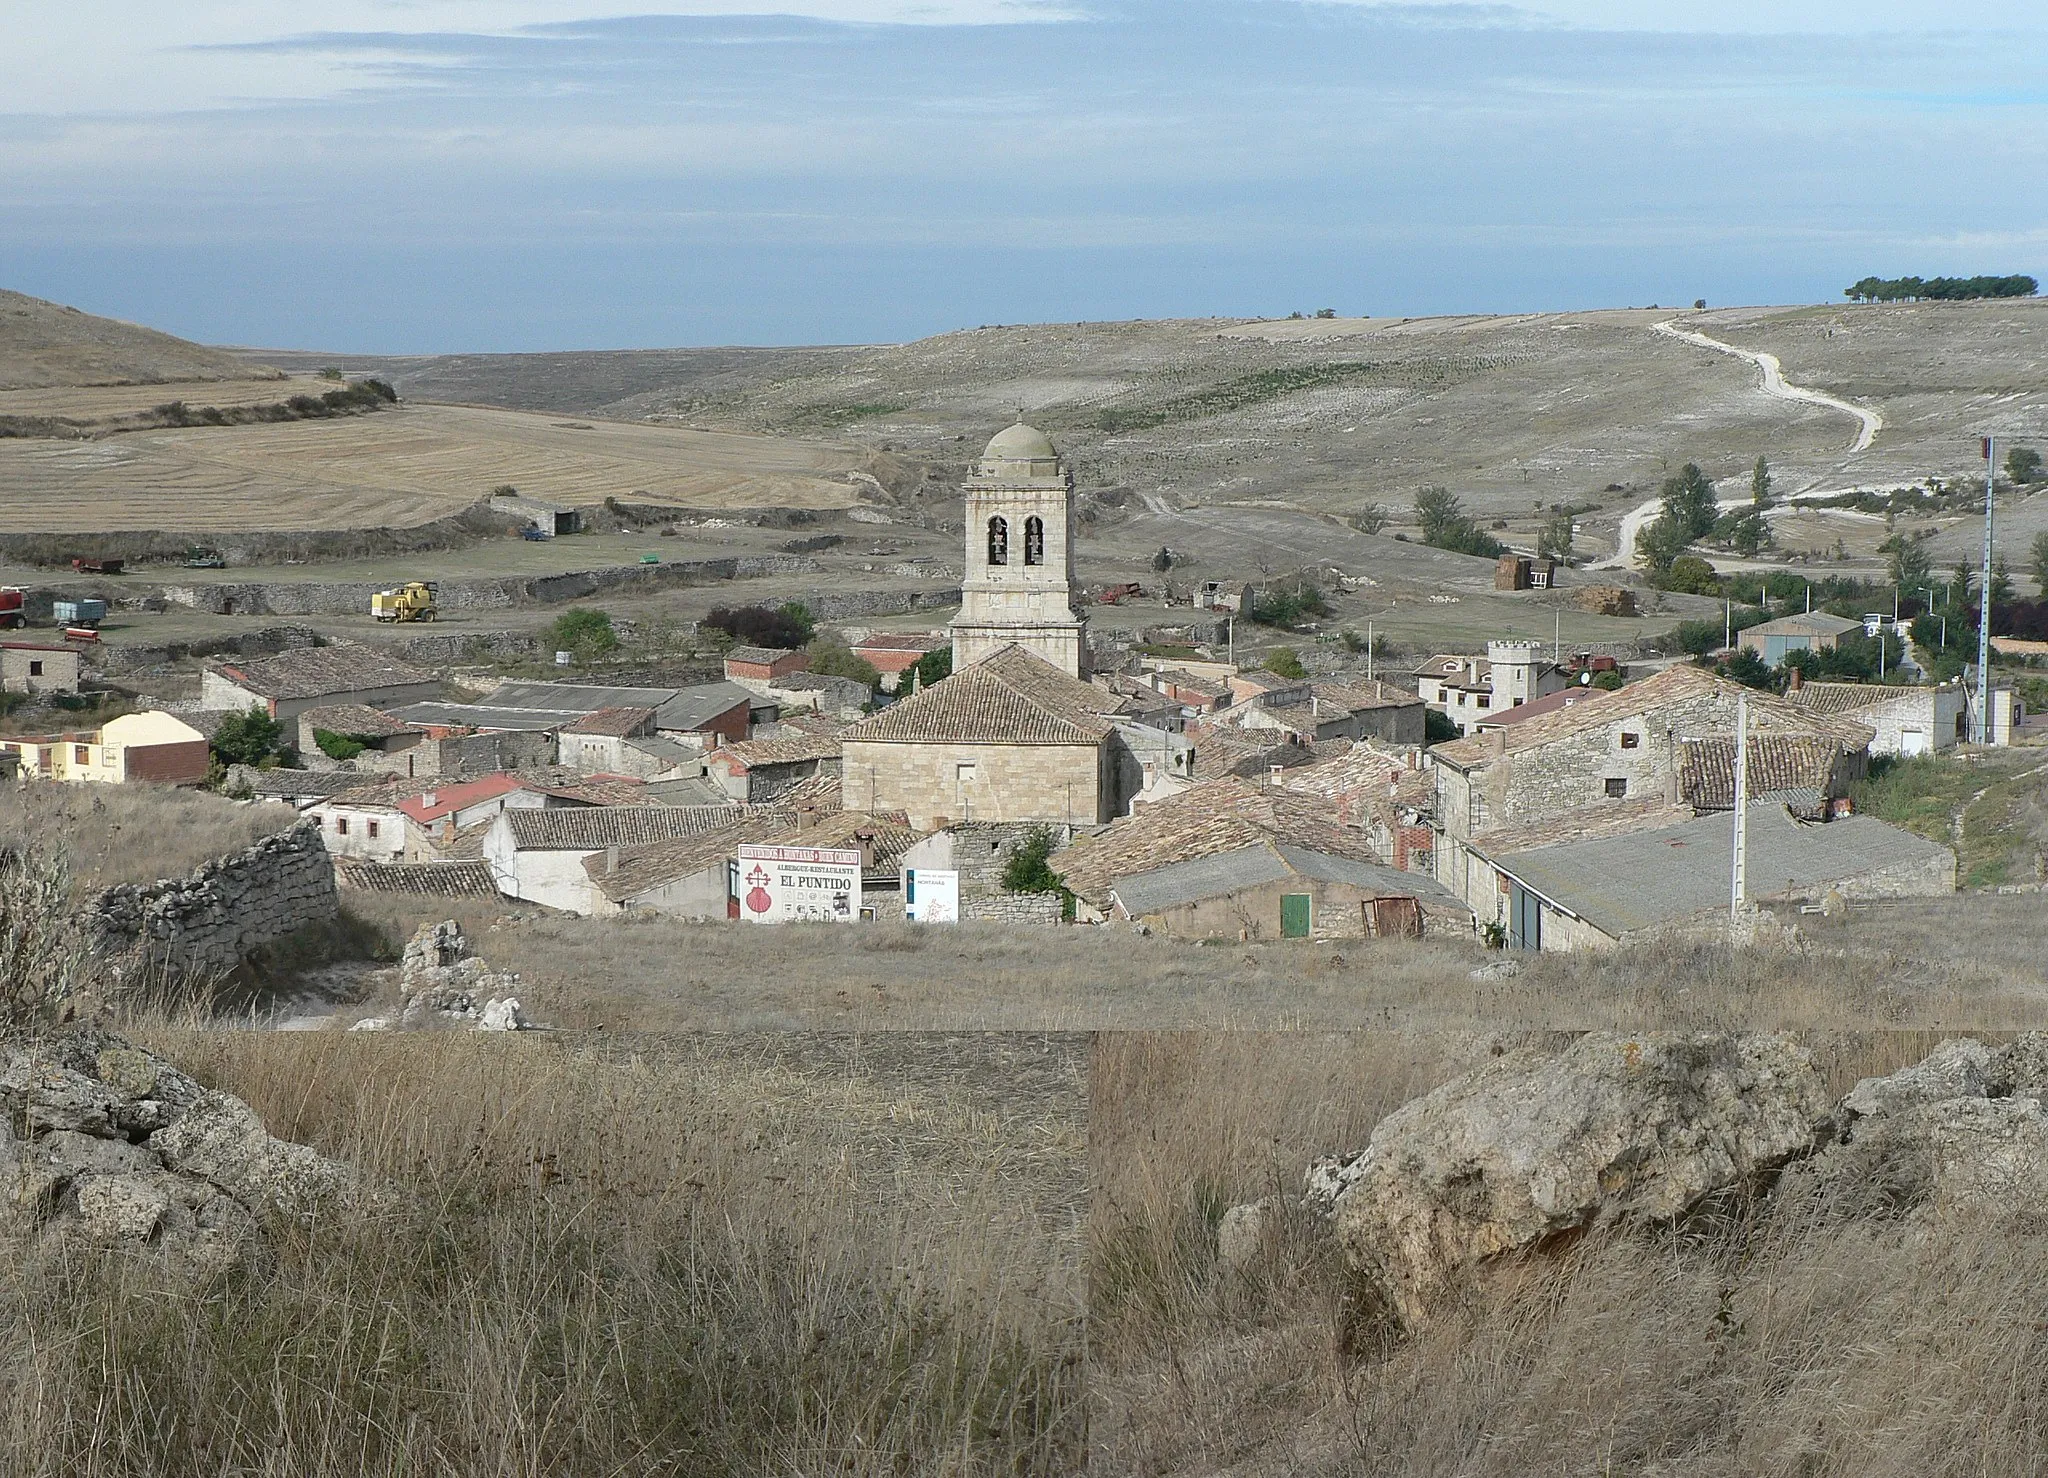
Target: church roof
(1011,696)
(1020,443)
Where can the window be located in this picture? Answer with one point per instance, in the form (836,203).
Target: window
(1034,540)
(341,826)
(1475,811)
(1617,788)
(81,754)
(999,540)
(963,773)
(373,830)
(35,667)
(1631,741)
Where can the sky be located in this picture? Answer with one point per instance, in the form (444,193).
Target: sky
(437,176)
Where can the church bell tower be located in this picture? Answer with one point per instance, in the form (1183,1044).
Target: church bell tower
(1020,555)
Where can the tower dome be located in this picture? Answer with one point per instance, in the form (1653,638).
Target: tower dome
(1020,443)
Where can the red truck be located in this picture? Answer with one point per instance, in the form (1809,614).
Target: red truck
(13,616)
(97,566)
(1116,595)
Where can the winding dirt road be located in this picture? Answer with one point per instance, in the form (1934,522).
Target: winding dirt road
(1774,384)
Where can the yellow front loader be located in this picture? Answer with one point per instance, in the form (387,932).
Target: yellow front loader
(412,601)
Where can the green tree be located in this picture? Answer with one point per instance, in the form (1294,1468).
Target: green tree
(1370,519)
(2023,464)
(1747,668)
(1908,564)
(247,738)
(836,659)
(1748,532)
(1689,501)
(1438,512)
(2037,561)
(1555,542)
(1608,682)
(1760,484)
(1162,561)
(799,615)
(1659,542)
(2001,583)
(585,631)
(1030,870)
(1286,662)
(934,667)
(1690,575)
(1959,592)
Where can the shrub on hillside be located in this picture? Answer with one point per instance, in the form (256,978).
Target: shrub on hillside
(788,626)
(247,738)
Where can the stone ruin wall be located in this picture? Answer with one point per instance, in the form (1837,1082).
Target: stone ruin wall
(210,921)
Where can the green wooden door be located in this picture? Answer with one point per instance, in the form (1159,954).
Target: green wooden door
(1294,915)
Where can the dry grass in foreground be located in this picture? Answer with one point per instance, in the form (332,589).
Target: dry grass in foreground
(714,1256)
(1968,961)
(132,833)
(1789,1345)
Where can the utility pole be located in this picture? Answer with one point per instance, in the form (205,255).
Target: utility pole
(1368,651)
(1727,623)
(1738,895)
(1984,600)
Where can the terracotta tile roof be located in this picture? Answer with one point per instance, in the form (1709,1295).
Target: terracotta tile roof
(1207,687)
(313,672)
(617,722)
(355,720)
(1826,697)
(1673,685)
(448,798)
(599,790)
(1362,695)
(1450,664)
(641,868)
(1223,749)
(1777,762)
(1537,707)
(593,828)
(902,641)
(423,879)
(1202,821)
(789,749)
(1009,697)
(763,656)
(817,793)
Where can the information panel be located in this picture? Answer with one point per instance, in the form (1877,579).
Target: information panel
(785,885)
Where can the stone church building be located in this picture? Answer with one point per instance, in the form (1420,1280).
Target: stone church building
(1015,734)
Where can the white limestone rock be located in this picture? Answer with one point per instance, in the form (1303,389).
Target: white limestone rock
(1958,1068)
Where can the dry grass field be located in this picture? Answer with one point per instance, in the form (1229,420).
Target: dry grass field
(48,344)
(1788,1345)
(108,402)
(1878,967)
(111,834)
(396,468)
(743,1256)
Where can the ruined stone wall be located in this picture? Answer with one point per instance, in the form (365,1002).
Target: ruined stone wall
(210,921)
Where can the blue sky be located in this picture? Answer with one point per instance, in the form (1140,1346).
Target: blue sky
(445,175)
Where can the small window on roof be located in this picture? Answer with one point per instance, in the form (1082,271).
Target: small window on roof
(1617,787)
(1631,741)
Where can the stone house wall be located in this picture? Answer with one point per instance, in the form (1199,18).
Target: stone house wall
(1012,908)
(1057,783)
(210,921)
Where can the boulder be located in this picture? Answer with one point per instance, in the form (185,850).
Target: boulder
(1536,1143)
(502,1016)
(2019,1069)
(108,1144)
(1958,1068)
(1248,1234)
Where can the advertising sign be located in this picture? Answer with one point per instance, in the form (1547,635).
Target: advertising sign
(931,896)
(785,885)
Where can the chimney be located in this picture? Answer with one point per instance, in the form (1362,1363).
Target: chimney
(1273,774)
(1796,681)
(611,860)
(428,800)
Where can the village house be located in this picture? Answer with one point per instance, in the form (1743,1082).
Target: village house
(623,742)
(697,877)
(387,819)
(1802,631)
(1237,859)
(893,653)
(755,668)
(1006,738)
(1317,711)
(1627,745)
(291,682)
(1599,892)
(537,855)
(842,698)
(1907,721)
(152,747)
(1384,792)
(758,770)
(31,667)
(357,724)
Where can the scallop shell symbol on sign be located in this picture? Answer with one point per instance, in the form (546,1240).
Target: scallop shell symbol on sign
(757,893)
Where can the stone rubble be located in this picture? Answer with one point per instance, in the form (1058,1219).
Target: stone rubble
(442,983)
(104,1144)
(1610,1130)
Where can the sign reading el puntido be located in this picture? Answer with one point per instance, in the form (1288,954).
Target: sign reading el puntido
(785,885)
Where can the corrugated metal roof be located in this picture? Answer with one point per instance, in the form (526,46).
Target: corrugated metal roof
(1642,879)
(689,709)
(482,716)
(575,697)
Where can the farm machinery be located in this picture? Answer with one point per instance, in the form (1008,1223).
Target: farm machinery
(412,601)
(13,608)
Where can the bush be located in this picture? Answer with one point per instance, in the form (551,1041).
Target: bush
(1370,519)
(247,738)
(758,626)
(835,659)
(1286,662)
(934,667)
(1030,870)
(1689,575)
(1289,608)
(585,631)
(1446,525)
(338,746)
(45,954)
(1438,727)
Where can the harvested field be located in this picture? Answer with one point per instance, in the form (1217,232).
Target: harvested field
(397,468)
(104,402)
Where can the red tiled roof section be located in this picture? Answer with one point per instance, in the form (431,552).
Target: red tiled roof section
(447,799)
(1009,697)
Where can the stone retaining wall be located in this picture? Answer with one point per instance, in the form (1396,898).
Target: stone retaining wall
(209,922)
(1012,908)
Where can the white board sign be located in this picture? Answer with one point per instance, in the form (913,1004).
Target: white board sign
(785,885)
(931,896)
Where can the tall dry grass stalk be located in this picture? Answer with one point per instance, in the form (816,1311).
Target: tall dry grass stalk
(113,834)
(701,1259)
(1788,1341)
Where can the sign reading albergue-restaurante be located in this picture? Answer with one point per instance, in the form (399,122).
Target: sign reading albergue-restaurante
(783,885)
